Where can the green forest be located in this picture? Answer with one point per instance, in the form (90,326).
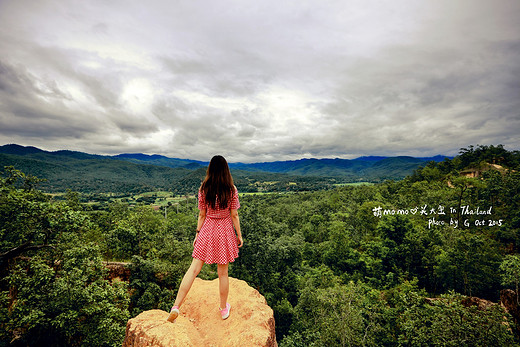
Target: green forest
(397,263)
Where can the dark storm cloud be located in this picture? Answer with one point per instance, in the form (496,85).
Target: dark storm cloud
(25,109)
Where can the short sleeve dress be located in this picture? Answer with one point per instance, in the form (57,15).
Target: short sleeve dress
(217,242)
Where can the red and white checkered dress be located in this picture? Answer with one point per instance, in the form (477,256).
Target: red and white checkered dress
(217,241)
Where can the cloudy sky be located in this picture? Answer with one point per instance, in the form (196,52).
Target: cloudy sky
(260,80)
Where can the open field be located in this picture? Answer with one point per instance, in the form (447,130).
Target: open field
(353,184)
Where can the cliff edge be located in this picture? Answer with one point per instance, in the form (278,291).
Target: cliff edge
(251,322)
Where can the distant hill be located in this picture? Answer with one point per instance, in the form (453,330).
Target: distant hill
(160,160)
(138,172)
(369,168)
(390,168)
(89,173)
(86,172)
(362,168)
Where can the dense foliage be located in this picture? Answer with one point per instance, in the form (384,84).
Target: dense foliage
(53,286)
(388,264)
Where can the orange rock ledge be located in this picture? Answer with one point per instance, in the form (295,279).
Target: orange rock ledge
(251,322)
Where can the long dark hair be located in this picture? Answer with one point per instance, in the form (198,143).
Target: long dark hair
(218,183)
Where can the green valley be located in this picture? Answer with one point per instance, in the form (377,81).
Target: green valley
(407,262)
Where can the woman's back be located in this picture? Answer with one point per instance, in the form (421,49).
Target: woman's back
(218,211)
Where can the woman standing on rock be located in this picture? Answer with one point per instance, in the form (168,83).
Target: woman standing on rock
(215,240)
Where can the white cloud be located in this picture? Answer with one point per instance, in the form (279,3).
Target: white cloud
(260,81)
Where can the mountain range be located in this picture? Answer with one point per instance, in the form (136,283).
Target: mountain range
(305,167)
(137,171)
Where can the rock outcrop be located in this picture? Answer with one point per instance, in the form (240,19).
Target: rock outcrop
(481,304)
(509,301)
(117,270)
(251,322)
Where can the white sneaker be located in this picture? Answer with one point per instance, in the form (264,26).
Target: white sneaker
(224,312)
(174,313)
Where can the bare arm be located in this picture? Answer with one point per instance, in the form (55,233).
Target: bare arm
(202,218)
(236,224)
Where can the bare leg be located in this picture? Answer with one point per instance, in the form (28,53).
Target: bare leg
(187,280)
(223,281)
